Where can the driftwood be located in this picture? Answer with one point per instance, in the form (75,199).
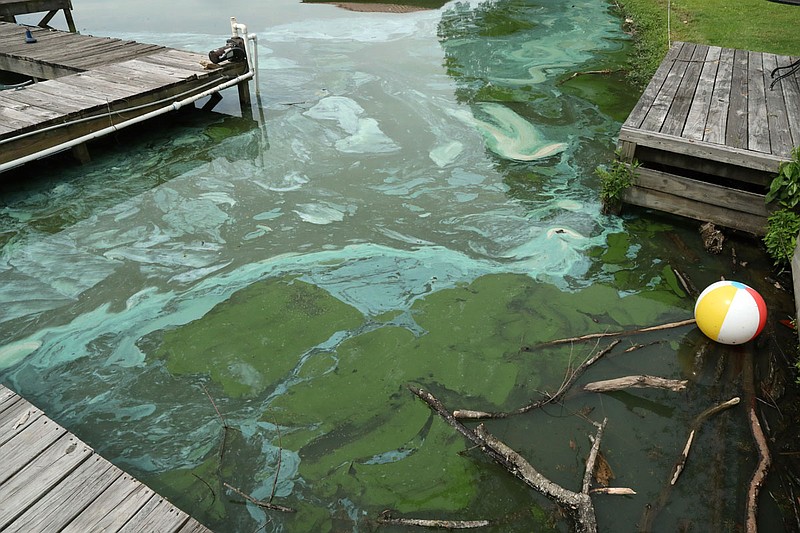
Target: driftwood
(224,422)
(570,380)
(639,382)
(620,491)
(686,282)
(260,503)
(386,518)
(764,460)
(652,510)
(760,474)
(618,333)
(696,423)
(578,505)
(585,72)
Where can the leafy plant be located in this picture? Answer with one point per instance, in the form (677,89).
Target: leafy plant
(785,187)
(615,179)
(781,238)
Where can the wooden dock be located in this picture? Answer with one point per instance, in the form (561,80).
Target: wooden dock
(52,481)
(91,86)
(710,133)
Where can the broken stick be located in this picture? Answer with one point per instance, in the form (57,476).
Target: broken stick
(260,503)
(696,423)
(652,510)
(618,333)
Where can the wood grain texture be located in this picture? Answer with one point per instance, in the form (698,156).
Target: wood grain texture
(52,481)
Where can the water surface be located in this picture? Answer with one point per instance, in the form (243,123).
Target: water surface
(413,202)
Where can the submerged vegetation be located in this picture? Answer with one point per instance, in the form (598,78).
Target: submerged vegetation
(615,179)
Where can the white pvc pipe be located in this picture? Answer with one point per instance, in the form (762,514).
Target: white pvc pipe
(124,124)
(240,30)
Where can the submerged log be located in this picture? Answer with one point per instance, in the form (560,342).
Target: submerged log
(386,518)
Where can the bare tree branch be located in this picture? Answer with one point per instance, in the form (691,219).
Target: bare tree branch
(549,398)
(619,333)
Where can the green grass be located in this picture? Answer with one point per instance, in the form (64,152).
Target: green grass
(758,25)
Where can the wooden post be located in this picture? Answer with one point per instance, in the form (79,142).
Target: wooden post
(70,21)
(81,153)
(627,149)
(244,98)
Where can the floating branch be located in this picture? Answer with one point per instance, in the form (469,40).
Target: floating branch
(640,382)
(585,72)
(225,426)
(591,336)
(760,474)
(260,503)
(653,509)
(696,423)
(465,414)
(764,460)
(686,282)
(280,455)
(386,518)
(577,504)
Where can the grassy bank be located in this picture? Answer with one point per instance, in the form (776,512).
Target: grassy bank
(758,25)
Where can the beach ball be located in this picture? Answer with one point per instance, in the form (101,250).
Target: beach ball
(730,312)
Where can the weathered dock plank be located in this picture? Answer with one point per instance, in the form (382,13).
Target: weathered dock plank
(66,501)
(663,100)
(780,137)
(758,132)
(717,123)
(736,133)
(52,481)
(700,107)
(791,95)
(19,415)
(676,117)
(639,112)
(26,444)
(40,475)
(57,54)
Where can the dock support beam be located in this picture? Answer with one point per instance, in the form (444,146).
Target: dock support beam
(45,22)
(81,153)
(244,98)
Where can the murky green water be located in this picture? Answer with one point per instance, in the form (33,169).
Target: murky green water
(415,204)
